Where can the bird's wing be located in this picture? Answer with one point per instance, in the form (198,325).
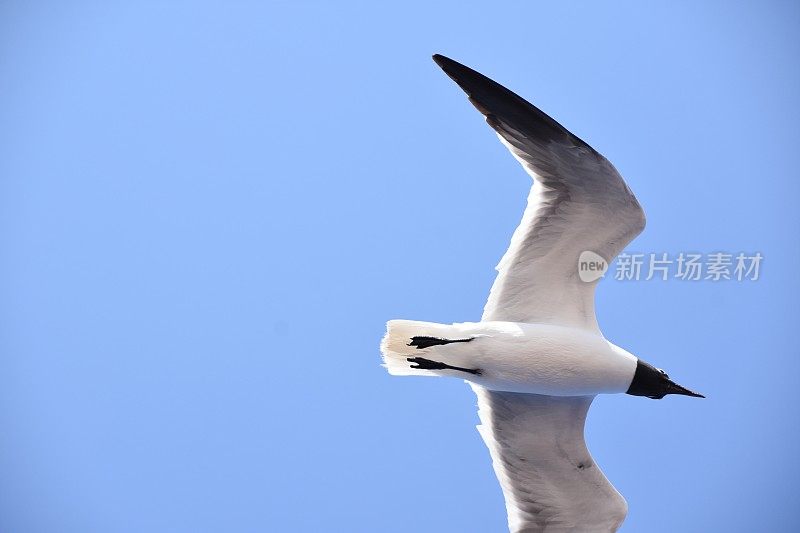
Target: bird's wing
(578,203)
(549,479)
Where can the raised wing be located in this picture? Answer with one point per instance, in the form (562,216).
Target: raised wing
(549,479)
(578,203)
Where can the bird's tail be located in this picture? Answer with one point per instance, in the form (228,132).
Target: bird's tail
(412,348)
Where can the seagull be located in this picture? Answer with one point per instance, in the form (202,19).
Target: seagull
(537,358)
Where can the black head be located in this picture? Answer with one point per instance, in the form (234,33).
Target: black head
(655,383)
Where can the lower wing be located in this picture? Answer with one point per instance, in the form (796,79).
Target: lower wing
(548,477)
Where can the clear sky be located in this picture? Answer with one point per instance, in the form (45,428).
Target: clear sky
(208,210)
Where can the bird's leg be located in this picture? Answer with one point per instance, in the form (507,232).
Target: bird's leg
(427,364)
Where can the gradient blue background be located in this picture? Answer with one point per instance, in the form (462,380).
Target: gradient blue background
(209,210)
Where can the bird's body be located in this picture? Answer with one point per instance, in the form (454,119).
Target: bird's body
(514,357)
(537,358)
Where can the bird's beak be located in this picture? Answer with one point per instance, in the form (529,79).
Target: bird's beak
(674,388)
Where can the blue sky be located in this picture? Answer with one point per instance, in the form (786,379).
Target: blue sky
(208,211)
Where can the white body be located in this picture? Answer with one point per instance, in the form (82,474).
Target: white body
(515,357)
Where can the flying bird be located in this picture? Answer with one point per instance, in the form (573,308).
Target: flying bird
(537,358)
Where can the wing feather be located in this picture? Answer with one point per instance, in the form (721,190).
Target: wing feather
(549,479)
(578,202)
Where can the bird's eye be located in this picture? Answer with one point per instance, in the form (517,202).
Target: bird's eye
(664,373)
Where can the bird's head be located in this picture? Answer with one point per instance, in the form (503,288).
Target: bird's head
(655,383)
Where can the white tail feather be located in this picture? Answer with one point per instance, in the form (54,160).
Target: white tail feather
(396,348)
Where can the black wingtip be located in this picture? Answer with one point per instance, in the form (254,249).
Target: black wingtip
(468,79)
(500,105)
(446,63)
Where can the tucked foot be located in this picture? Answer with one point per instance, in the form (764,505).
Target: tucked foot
(427,364)
(427,342)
